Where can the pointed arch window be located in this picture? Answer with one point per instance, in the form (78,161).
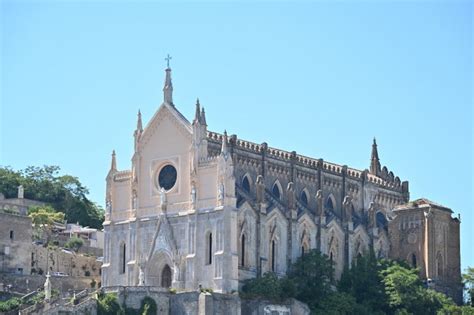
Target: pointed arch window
(329,204)
(166,277)
(304,198)
(246,183)
(276,191)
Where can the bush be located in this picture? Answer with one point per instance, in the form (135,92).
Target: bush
(148,306)
(269,286)
(107,304)
(74,243)
(10,304)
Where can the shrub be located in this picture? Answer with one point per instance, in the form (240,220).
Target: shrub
(107,304)
(74,243)
(10,304)
(148,306)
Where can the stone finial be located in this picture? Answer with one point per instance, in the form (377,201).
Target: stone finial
(197,114)
(375,167)
(371,215)
(224,149)
(347,204)
(260,186)
(168,88)
(21,192)
(291,195)
(203,117)
(113,164)
(164,201)
(139,122)
(319,198)
(47,288)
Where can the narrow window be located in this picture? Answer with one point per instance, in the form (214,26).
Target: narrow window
(304,198)
(273,256)
(209,249)
(11,235)
(246,184)
(302,250)
(242,245)
(413,260)
(276,191)
(122,258)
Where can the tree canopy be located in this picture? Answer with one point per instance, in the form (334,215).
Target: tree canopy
(65,193)
(370,286)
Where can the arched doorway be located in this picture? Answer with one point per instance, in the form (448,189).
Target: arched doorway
(158,271)
(166,277)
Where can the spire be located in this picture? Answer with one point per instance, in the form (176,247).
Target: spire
(224,150)
(203,117)
(374,160)
(139,122)
(168,88)
(197,115)
(113,165)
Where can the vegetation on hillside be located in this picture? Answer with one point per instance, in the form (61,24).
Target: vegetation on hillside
(64,193)
(107,304)
(370,286)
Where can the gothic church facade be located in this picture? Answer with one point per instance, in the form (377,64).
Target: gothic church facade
(203,209)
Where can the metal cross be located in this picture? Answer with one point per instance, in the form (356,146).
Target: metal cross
(168,58)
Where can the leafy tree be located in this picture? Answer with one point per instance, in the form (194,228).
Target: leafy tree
(107,304)
(364,283)
(43,219)
(74,243)
(65,193)
(468,280)
(311,276)
(269,286)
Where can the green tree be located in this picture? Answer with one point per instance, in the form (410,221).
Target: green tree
(468,281)
(65,193)
(43,219)
(363,281)
(406,294)
(269,286)
(311,276)
(74,243)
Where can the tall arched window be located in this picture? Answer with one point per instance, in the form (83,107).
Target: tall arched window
(329,204)
(209,249)
(304,198)
(273,256)
(246,184)
(123,258)
(439,265)
(413,260)
(276,191)
(166,277)
(242,250)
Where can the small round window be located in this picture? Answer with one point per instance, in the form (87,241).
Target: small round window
(167,177)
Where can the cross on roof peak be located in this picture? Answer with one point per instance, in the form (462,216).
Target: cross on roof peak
(168,58)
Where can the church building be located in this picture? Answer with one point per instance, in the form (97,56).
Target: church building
(201,209)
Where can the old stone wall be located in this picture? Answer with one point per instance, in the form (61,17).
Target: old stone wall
(15,243)
(28,283)
(59,260)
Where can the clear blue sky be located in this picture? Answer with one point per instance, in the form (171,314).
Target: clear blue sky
(320,78)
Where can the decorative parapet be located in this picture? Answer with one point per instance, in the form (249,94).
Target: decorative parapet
(122,176)
(390,181)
